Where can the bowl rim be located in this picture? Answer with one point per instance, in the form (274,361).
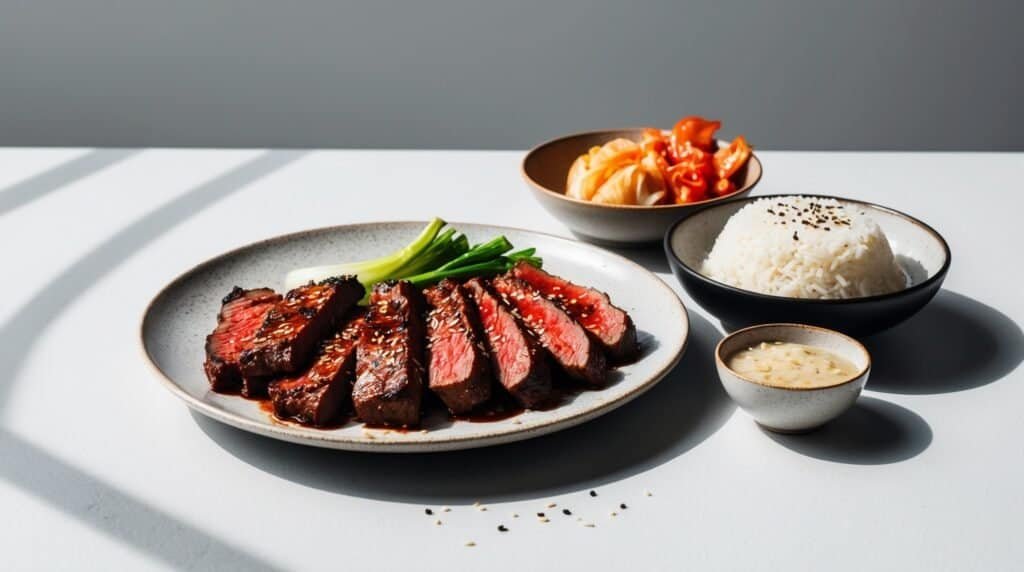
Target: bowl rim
(793,325)
(923,285)
(536,185)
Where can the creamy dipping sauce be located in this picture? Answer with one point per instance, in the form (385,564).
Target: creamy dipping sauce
(785,364)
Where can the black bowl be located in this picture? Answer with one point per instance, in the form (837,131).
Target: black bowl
(919,249)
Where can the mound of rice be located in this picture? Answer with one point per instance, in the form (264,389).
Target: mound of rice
(804,247)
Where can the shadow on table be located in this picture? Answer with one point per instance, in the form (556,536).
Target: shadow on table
(683,410)
(63,487)
(954,343)
(872,432)
(120,516)
(60,176)
(650,256)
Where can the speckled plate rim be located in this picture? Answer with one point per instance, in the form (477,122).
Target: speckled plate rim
(525,174)
(940,274)
(420,442)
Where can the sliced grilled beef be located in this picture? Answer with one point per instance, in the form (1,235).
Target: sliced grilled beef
(255,387)
(292,331)
(520,364)
(318,395)
(571,346)
(458,365)
(241,314)
(389,362)
(611,325)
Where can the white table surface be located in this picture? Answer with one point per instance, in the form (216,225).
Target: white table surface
(101,468)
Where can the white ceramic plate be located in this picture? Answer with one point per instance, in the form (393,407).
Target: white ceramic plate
(182,314)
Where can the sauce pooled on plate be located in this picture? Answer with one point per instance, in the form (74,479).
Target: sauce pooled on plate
(790,365)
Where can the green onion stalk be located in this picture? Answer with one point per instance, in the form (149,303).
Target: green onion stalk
(435,254)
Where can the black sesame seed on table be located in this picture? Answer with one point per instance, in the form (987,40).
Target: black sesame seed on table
(428,511)
(501,528)
(540,515)
(593,493)
(566,512)
(623,506)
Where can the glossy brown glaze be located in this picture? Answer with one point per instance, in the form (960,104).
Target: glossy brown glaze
(458,363)
(267,407)
(566,340)
(292,331)
(240,317)
(592,308)
(520,363)
(390,360)
(491,413)
(374,367)
(503,406)
(318,395)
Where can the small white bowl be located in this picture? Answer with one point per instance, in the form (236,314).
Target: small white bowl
(793,410)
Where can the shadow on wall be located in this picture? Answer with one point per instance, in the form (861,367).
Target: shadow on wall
(63,487)
(954,343)
(681,411)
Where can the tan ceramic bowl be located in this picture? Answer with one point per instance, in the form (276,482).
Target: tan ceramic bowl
(546,167)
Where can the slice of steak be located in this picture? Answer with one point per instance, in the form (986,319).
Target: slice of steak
(255,387)
(571,346)
(611,325)
(389,362)
(292,331)
(458,364)
(241,314)
(318,395)
(520,364)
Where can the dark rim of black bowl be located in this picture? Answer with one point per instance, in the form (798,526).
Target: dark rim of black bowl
(938,276)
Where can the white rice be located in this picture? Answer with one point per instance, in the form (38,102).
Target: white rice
(803,247)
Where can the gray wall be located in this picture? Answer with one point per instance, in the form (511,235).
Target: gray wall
(790,74)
